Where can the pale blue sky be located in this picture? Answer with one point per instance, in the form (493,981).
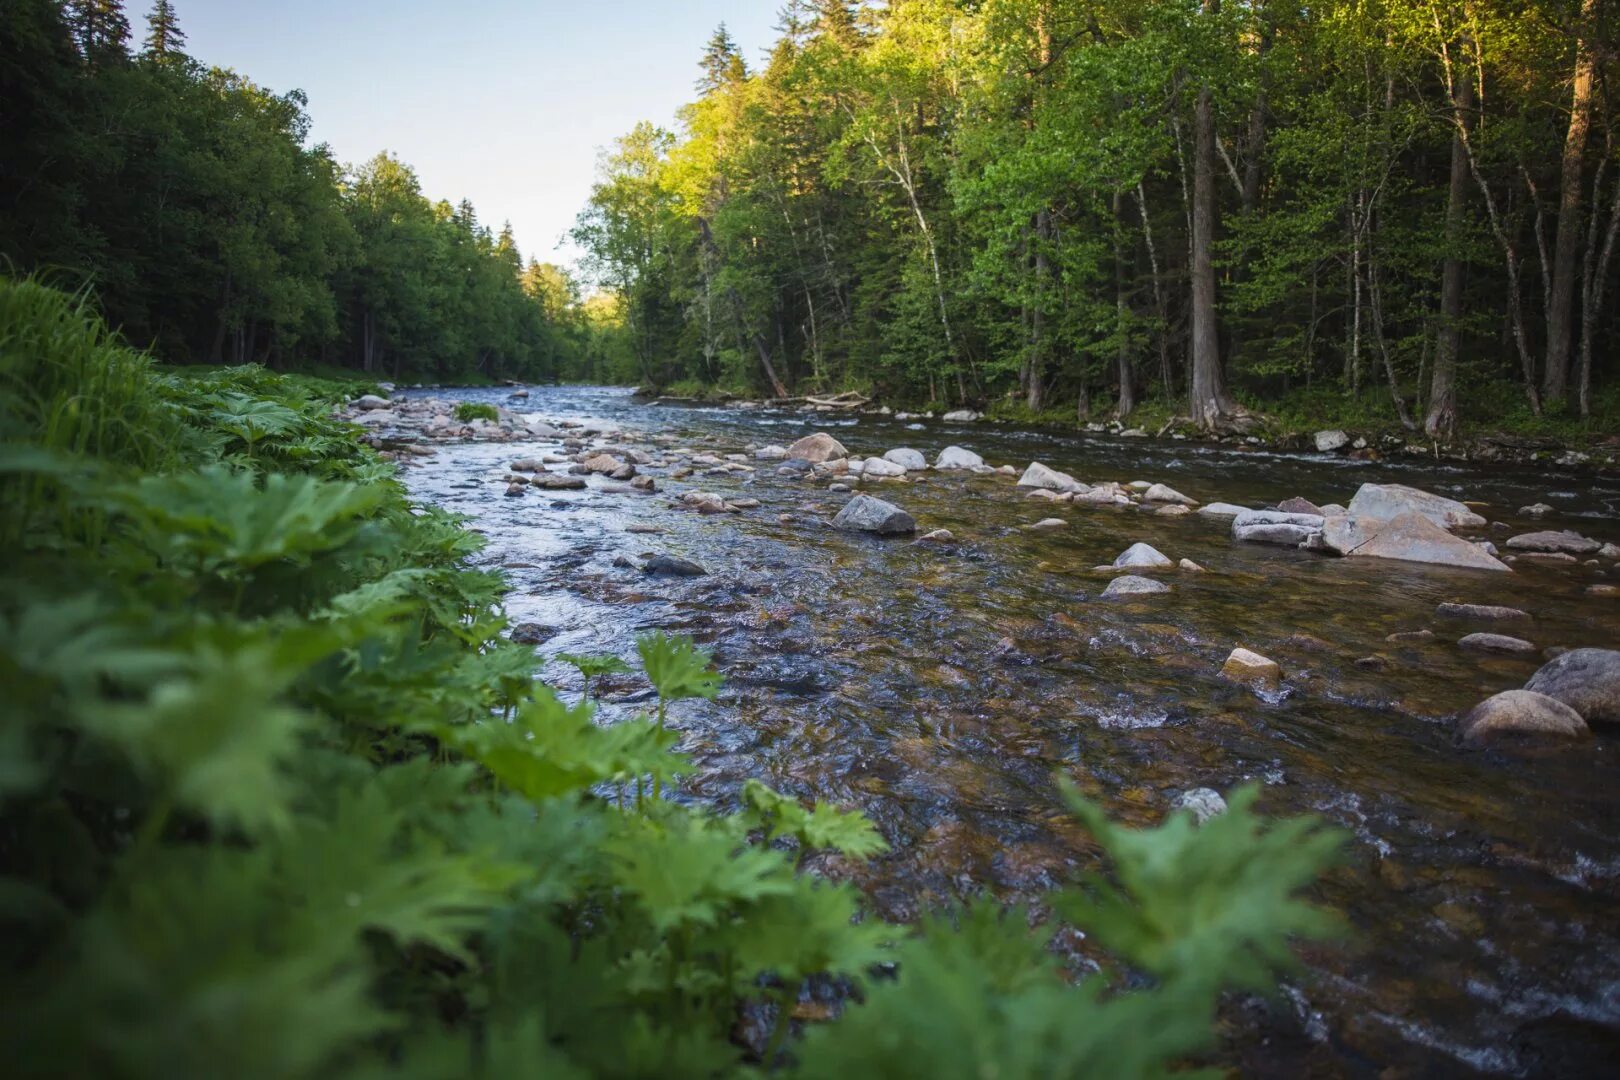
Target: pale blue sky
(503,102)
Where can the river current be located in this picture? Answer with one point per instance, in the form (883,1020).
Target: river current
(942,689)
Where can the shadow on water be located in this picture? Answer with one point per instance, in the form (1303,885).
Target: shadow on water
(941,688)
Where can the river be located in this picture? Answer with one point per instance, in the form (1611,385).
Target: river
(942,688)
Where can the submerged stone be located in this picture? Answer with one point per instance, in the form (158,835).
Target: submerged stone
(1134,585)
(1252,669)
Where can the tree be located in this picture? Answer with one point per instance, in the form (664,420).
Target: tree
(164,38)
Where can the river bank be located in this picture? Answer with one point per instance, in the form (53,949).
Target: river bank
(939,687)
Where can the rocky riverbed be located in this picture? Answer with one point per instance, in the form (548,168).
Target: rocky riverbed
(1156,621)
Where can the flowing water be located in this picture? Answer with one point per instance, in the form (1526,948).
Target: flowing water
(941,689)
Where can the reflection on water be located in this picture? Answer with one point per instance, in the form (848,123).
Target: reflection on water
(942,688)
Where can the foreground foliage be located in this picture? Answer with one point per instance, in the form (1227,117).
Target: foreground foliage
(278,799)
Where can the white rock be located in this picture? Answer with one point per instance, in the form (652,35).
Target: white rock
(1140,554)
(907,458)
(955,457)
(1163,493)
(1250,667)
(1203,803)
(1039,476)
(961,416)
(879,467)
(1329,441)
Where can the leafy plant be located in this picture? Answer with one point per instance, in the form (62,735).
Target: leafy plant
(278,798)
(468,411)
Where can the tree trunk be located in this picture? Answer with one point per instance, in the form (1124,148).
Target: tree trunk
(1122,353)
(1035,392)
(1441,419)
(1158,296)
(1555,372)
(1209,404)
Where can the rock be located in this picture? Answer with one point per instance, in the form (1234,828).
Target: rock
(1603,590)
(770,453)
(1610,551)
(1048,525)
(1411,538)
(623,472)
(1329,441)
(817,448)
(645,529)
(1410,635)
(937,536)
(370,401)
(744,504)
(1587,680)
(1487,612)
(1536,510)
(1140,554)
(644,483)
(961,416)
(1189,565)
(1039,476)
(528,465)
(533,633)
(1099,496)
(1222,509)
(1202,803)
(1252,669)
(866,514)
(1163,493)
(907,458)
(602,463)
(882,467)
(516,488)
(1051,496)
(558,482)
(1386,502)
(955,457)
(1133,585)
(1518,713)
(1297,505)
(700,499)
(671,566)
(1566,541)
(1173,510)
(838,487)
(1276,527)
(1496,643)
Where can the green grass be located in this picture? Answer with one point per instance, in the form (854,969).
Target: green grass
(468,411)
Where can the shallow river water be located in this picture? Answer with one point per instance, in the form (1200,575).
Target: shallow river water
(942,689)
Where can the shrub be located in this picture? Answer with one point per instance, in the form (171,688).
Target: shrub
(468,411)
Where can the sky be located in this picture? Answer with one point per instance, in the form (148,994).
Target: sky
(503,102)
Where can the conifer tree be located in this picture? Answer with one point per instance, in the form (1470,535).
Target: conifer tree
(163,34)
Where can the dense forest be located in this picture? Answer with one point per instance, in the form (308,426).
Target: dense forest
(1403,209)
(190,201)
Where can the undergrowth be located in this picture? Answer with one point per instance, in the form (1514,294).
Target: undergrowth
(278,799)
(468,411)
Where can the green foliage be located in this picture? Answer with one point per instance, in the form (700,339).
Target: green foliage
(468,411)
(278,799)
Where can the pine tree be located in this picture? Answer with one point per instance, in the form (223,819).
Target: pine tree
(722,64)
(163,34)
(99,29)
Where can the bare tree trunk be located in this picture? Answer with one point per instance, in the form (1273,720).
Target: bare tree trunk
(1555,371)
(1122,354)
(1210,403)
(1158,296)
(1441,419)
(1377,312)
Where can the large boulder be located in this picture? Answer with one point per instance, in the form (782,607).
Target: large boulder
(1565,541)
(370,401)
(866,514)
(1252,669)
(1039,476)
(955,457)
(1163,493)
(1133,585)
(1140,554)
(907,458)
(602,463)
(1386,502)
(1410,537)
(1587,680)
(1519,713)
(817,448)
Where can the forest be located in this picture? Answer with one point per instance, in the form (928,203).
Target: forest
(1375,209)
(190,202)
